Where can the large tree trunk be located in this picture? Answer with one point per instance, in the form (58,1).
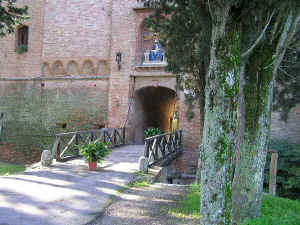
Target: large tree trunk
(260,74)
(248,179)
(201,107)
(220,123)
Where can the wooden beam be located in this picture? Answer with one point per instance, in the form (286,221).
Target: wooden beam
(273,173)
(68,145)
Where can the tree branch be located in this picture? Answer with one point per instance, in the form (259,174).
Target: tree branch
(286,73)
(248,52)
(286,36)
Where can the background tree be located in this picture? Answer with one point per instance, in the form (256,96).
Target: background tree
(286,92)
(188,58)
(11,16)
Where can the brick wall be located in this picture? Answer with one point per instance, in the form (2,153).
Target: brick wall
(123,40)
(192,131)
(34,111)
(28,63)
(289,130)
(77,29)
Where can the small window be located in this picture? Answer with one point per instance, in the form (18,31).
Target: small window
(61,125)
(22,39)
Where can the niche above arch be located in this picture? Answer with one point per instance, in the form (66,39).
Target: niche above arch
(150,51)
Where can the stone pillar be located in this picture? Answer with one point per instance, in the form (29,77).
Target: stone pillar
(46,158)
(143,164)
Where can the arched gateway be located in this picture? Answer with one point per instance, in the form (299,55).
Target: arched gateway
(153,107)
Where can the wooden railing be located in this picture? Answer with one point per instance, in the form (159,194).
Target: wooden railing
(66,144)
(1,124)
(163,147)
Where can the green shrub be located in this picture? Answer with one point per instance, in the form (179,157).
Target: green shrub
(150,132)
(288,168)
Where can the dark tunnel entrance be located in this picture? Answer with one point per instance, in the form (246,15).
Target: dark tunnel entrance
(154,107)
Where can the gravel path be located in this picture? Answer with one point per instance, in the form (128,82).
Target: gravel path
(145,206)
(66,193)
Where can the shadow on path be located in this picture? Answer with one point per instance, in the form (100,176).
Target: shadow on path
(66,193)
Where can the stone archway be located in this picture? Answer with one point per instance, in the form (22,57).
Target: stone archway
(153,107)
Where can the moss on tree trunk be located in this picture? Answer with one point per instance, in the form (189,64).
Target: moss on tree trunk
(260,74)
(248,180)
(220,123)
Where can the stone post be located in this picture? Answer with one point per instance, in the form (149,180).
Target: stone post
(46,158)
(143,164)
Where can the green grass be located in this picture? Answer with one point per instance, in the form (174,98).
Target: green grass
(190,206)
(138,184)
(275,210)
(141,174)
(8,168)
(278,211)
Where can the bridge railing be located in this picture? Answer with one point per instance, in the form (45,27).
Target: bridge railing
(161,147)
(66,144)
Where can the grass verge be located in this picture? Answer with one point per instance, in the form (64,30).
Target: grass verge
(138,184)
(190,206)
(277,211)
(8,168)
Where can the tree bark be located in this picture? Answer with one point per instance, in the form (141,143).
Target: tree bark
(201,107)
(220,122)
(261,71)
(248,179)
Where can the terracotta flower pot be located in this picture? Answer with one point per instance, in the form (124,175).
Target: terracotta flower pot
(92,166)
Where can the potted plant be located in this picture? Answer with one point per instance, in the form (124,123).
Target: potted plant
(94,152)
